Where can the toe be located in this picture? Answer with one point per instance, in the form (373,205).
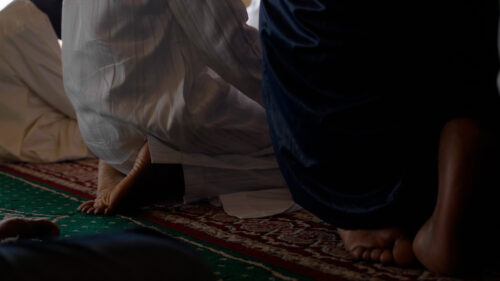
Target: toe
(367,254)
(90,210)
(358,252)
(386,256)
(99,209)
(85,205)
(85,208)
(375,255)
(403,252)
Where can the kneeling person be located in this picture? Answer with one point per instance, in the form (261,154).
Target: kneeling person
(37,120)
(160,82)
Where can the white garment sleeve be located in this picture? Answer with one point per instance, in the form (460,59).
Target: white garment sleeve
(36,56)
(225,42)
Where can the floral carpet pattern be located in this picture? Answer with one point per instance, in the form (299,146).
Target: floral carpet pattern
(295,246)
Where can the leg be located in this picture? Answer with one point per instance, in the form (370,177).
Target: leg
(145,183)
(128,255)
(440,245)
(60,138)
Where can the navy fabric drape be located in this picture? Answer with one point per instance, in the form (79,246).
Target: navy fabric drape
(358,91)
(135,254)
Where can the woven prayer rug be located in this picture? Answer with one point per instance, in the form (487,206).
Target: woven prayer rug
(296,246)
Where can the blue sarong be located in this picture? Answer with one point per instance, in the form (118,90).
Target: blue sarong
(357,93)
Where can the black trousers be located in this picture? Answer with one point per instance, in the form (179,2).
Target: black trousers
(129,255)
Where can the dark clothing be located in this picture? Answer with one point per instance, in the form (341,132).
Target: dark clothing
(357,93)
(53,10)
(130,255)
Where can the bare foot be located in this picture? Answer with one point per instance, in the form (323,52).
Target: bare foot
(389,245)
(27,228)
(443,243)
(438,249)
(114,187)
(146,183)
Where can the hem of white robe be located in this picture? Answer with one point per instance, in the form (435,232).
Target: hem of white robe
(241,193)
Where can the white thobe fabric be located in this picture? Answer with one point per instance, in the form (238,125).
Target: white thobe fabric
(253,13)
(185,76)
(37,120)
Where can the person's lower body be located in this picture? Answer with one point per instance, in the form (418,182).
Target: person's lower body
(145,183)
(148,183)
(449,241)
(358,144)
(53,137)
(139,254)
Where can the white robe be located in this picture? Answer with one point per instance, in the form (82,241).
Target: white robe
(37,120)
(184,76)
(253,13)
